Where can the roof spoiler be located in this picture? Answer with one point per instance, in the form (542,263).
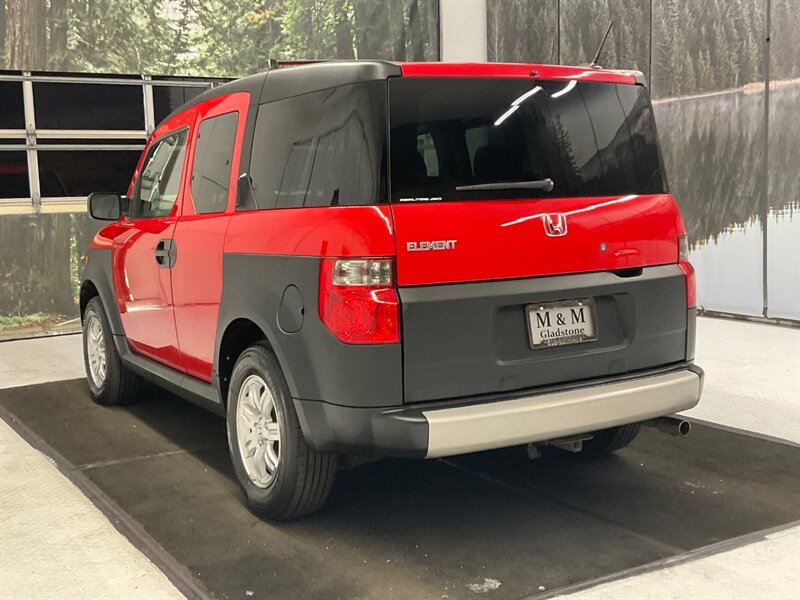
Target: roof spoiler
(274,63)
(638,76)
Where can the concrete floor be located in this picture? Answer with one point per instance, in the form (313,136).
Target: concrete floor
(761,570)
(753,383)
(752,377)
(39,360)
(54,543)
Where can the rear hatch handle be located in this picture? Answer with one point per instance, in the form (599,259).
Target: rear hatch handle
(538,184)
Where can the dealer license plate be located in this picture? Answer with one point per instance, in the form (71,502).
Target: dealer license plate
(561,323)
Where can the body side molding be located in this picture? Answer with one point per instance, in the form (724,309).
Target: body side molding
(187,387)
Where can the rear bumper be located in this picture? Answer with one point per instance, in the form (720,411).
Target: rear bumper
(458,427)
(548,416)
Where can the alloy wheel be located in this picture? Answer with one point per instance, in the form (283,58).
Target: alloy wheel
(258,430)
(96,350)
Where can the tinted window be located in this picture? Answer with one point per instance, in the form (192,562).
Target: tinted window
(88,106)
(13,115)
(427,149)
(211,174)
(14,175)
(159,181)
(644,142)
(168,98)
(81,172)
(590,138)
(321,149)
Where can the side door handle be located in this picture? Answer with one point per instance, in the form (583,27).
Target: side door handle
(166,253)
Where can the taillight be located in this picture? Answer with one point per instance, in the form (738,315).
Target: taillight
(357,300)
(688,271)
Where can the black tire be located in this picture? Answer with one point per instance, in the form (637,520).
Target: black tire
(608,441)
(120,385)
(302,480)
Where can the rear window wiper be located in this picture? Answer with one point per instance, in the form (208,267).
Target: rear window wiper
(545,185)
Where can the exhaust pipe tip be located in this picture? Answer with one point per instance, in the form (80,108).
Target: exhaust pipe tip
(672,426)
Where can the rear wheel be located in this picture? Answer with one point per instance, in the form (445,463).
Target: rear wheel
(110,381)
(608,441)
(281,475)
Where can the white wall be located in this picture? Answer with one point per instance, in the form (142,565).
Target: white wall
(463,30)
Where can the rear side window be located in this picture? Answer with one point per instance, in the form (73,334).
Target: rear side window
(159,182)
(211,174)
(325,148)
(591,139)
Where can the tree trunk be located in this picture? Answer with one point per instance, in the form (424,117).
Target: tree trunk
(344,32)
(397,27)
(35,274)
(57,47)
(373,34)
(3,32)
(417,31)
(26,34)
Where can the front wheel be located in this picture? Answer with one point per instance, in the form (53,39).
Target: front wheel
(110,381)
(281,475)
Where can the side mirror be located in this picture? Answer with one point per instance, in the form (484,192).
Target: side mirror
(105,206)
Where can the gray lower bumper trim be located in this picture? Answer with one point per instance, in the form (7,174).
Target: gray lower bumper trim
(549,416)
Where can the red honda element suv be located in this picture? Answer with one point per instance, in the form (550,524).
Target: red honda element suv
(373,259)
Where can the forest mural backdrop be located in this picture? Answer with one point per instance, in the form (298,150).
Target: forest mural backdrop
(705,61)
(227,38)
(693,45)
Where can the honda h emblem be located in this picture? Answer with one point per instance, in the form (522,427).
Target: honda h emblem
(555,224)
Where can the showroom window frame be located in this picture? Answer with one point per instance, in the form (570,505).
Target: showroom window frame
(108,140)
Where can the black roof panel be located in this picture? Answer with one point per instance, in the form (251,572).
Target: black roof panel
(302,79)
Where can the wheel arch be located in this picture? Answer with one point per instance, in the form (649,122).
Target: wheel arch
(238,335)
(317,366)
(98,281)
(88,291)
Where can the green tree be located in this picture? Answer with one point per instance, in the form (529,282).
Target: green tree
(57,27)
(300,29)
(210,37)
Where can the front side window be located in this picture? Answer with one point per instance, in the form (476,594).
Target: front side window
(462,139)
(325,148)
(211,173)
(160,178)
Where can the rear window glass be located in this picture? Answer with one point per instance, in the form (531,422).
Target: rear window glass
(325,148)
(590,139)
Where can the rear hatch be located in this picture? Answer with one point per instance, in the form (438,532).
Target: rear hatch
(536,240)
